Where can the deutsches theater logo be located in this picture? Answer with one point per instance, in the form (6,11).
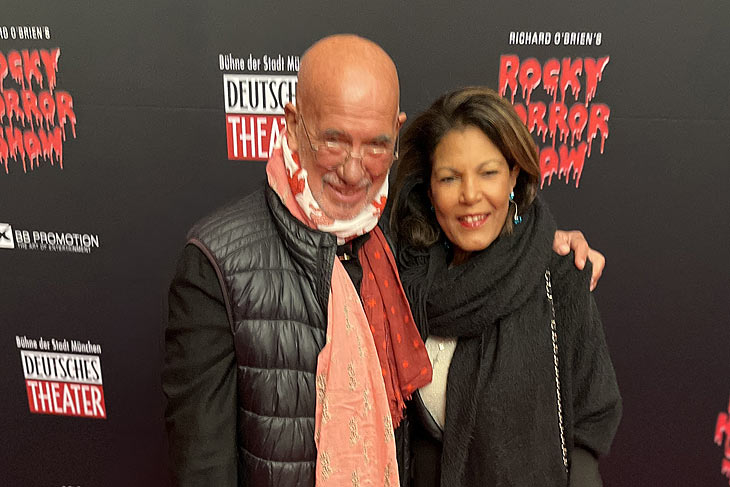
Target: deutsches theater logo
(63,377)
(254,102)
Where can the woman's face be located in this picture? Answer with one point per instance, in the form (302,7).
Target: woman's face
(470,187)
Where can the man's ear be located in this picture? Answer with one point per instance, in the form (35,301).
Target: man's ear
(401,119)
(292,122)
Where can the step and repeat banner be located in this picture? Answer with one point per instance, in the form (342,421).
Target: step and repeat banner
(122,123)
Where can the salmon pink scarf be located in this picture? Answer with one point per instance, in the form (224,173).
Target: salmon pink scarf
(373,357)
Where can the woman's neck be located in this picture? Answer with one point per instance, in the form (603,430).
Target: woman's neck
(460,256)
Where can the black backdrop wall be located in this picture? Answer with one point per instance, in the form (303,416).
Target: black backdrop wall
(123,123)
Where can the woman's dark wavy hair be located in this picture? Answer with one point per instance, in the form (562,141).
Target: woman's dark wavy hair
(412,221)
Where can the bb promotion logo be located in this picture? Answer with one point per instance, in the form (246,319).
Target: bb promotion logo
(63,377)
(47,241)
(255,101)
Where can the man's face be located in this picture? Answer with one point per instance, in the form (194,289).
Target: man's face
(343,187)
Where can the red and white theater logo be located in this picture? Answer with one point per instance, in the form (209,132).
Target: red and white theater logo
(255,113)
(33,114)
(568,113)
(722,433)
(66,384)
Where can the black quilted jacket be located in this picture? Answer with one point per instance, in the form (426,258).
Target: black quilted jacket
(274,274)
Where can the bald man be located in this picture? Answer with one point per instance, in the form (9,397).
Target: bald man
(249,381)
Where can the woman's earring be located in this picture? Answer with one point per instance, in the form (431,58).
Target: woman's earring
(517,219)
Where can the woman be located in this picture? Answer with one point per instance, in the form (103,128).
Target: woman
(524,393)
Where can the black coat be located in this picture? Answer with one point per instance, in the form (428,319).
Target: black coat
(248,310)
(509,411)
(274,274)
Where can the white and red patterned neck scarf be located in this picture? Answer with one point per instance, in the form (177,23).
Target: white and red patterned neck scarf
(344,230)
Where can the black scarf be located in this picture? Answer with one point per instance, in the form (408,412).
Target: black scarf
(501,421)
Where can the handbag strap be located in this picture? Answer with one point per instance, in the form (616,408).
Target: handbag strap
(554,332)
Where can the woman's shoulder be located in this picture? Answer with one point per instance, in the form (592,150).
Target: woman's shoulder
(567,280)
(575,308)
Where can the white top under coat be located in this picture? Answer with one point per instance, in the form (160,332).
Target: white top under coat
(440,351)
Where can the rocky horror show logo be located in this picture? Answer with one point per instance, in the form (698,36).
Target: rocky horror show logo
(255,103)
(33,114)
(62,377)
(572,119)
(722,430)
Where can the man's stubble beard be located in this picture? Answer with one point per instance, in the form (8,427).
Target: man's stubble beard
(350,211)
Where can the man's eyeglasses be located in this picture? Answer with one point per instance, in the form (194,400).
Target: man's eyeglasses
(333,152)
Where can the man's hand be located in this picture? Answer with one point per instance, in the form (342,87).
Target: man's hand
(574,240)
